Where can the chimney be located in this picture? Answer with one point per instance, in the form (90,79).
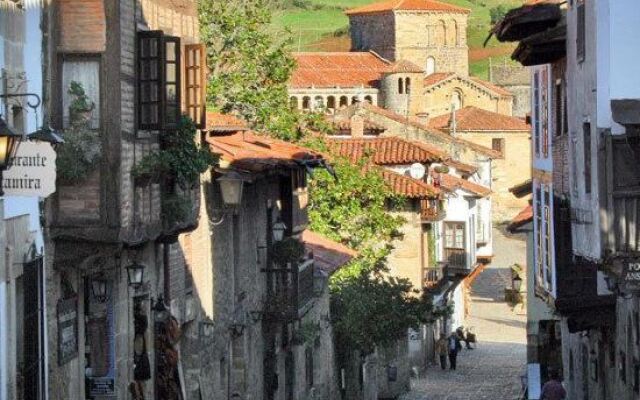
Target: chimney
(357,126)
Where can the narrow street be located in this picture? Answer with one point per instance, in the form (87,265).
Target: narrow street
(493,369)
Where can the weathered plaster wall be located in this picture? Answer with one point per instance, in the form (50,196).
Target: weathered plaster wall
(514,168)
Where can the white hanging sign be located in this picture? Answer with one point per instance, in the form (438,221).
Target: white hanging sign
(32,172)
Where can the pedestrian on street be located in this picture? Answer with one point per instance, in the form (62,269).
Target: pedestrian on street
(462,337)
(442,350)
(553,390)
(454,347)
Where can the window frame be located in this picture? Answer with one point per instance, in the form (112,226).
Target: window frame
(58,116)
(162,118)
(198,109)
(587,154)
(501,145)
(581,31)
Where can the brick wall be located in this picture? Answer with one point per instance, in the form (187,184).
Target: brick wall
(82,26)
(81,204)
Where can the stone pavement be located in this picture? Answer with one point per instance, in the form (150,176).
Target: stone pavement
(492,371)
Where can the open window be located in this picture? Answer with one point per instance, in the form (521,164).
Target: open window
(195,84)
(159,65)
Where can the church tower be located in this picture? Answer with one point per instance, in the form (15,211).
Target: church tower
(428,33)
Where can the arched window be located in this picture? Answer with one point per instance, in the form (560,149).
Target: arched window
(368,99)
(318,103)
(354,100)
(456,99)
(400,86)
(293,102)
(306,102)
(431,65)
(331,102)
(407,85)
(453,34)
(441,33)
(344,101)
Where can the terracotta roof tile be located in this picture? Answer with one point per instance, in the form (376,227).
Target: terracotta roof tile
(420,125)
(328,255)
(383,150)
(255,153)
(344,69)
(524,216)
(409,187)
(404,66)
(491,86)
(224,122)
(437,77)
(345,124)
(461,167)
(407,5)
(453,183)
(476,119)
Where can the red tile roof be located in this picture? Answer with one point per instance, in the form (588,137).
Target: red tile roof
(255,153)
(404,66)
(439,77)
(383,150)
(420,125)
(453,183)
(491,86)
(475,119)
(344,69)
(224,122)
(328,255)
(345,124)
(461,167)
(407,5)
(408,187)
(524,217)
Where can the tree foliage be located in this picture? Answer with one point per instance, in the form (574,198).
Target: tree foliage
(249,64)
(250,67)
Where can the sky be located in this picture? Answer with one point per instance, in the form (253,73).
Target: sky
(14,206)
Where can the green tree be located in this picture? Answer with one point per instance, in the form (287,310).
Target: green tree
(249,64)
(497,13)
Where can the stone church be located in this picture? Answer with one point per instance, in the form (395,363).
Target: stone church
(407,56)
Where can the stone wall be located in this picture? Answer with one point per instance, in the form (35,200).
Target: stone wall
(375,32)
(409,254)
(513,169)
(409,102)
(438,97)
(440,35)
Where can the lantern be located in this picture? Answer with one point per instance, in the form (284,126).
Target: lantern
(135,273)
(231,187)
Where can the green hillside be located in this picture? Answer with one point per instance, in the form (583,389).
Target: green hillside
(320,25)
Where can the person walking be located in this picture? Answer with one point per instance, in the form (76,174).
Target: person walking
(462,337)
(553,389)
(454,347)
(442,350)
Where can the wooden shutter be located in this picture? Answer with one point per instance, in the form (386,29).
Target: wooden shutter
(581,31)
(149,79)
(171,99)
(195,84)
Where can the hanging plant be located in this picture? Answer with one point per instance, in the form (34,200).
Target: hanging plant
(175,209)
(81,105)
(180,159)
(78,156)
(289,250)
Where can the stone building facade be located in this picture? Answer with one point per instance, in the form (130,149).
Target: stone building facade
(511,137)
(410,58)
(110,339)
(517,80)
(429,34)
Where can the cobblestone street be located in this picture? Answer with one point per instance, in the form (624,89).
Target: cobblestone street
(492,371)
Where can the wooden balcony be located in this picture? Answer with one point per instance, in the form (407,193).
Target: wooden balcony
(622,201)
(455,258)
(432,277)
(432,210)
(290,292)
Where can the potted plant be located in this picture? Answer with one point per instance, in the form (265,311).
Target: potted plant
(81,105)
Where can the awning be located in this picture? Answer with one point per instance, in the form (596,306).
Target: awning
(525,21)
(542,48)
